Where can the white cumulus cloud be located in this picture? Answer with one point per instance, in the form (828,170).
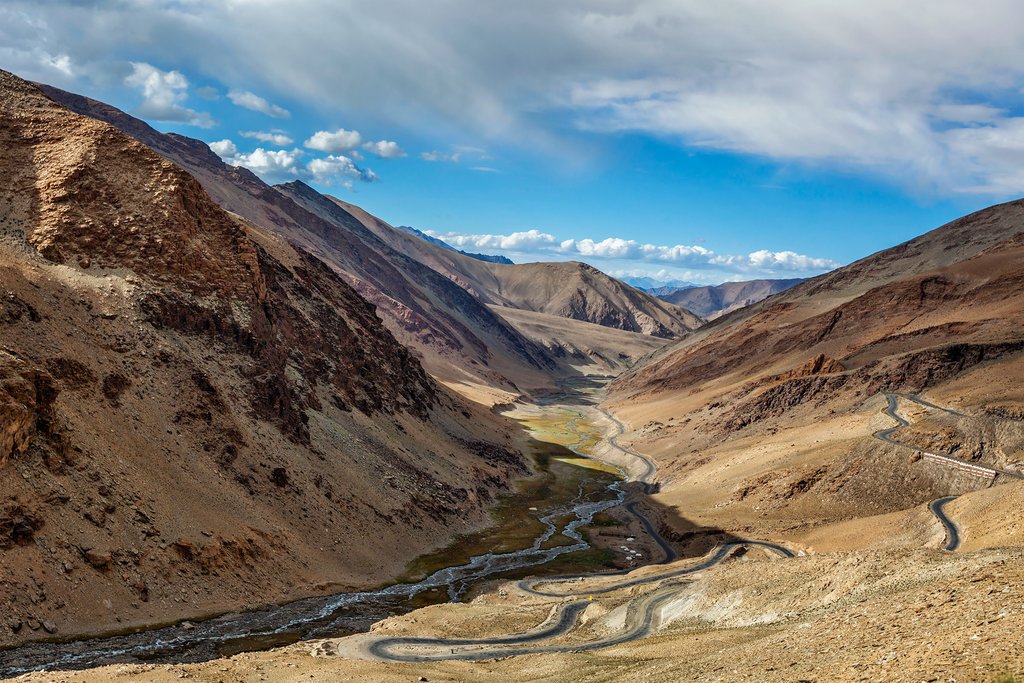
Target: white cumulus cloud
(225,149)
(385,149)
(270,164)
(276,137)
(339,169)
(537,245)
(288,164)
(517,241)
(335,142)
(788,260)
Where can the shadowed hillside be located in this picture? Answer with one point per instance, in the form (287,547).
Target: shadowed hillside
(188,402)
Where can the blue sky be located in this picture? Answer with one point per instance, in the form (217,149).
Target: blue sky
(676,138)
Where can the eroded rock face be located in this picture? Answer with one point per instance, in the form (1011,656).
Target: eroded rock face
(18,524)
(781,397)
(27,395)
(819,365)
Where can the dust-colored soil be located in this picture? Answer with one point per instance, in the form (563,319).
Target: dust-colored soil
(882,615)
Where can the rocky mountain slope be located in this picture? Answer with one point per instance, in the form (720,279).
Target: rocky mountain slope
(455,336)
(713,301)
(196,415)
(765,415)
(564,289)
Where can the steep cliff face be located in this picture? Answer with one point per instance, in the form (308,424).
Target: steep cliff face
(195,414)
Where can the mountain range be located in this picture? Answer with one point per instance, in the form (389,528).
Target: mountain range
(217,394)
(803,374)
(434,300)
(712,301)
(189,400)
(202,372)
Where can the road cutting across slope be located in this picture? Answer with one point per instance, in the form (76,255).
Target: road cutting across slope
(648,470)
(937,506)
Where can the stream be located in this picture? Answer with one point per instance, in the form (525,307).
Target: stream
(568,501)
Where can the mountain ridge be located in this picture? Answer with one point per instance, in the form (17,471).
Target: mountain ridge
(712,301)
(444,245)
(427,313)
(567,289)
(188,401)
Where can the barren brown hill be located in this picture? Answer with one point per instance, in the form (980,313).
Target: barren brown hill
(590,348)
(456,337)
(763,418)
(565,289)
(196,415)
(713,301)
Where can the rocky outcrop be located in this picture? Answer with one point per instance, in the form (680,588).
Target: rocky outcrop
(778,399)
(819,365)
(27,395)
(18,524)
(919,370)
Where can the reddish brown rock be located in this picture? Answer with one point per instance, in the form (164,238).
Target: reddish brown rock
(98,559)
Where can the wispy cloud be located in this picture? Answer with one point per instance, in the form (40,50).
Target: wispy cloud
(252,101)
(878,87)
(164,93)
(435,155)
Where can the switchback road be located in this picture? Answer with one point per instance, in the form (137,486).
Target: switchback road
(641,617)
(641,612)
(936,506)
(952,533)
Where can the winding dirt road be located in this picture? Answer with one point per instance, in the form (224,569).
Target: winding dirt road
(641,612)
(641,617)
(646,476)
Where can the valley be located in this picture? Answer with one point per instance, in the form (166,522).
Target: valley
(683,609)
(538,529)
(251,431)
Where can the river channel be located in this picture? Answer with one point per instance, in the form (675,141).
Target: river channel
(538,530)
